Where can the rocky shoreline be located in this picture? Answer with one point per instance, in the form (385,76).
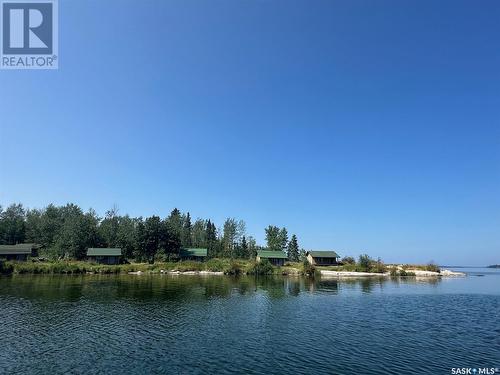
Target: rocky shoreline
(416,273)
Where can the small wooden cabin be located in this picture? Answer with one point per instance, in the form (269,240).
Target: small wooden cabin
(104,255)
(197,254)
(276,258)
(323,258)
(19,252)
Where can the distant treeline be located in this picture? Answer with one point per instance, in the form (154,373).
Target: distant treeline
(65,232)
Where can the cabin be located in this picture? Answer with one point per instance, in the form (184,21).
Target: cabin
(19,252)
(196,254)
(276,258)
(104,255)
(323,258)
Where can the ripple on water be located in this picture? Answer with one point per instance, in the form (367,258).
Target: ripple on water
(222,325)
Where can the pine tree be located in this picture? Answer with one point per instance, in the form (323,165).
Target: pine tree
(186,231)
(244,248)
(293,249)
(211,239)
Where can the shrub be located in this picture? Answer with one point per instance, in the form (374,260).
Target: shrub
(406,273)
(348,260)
(216,265)
(6,268)
(378,266)
(233,269)
(394,272)
(432,267)
(307,268)
(188,265)
(264,267)
(364,262)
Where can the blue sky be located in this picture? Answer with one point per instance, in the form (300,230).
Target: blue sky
(360,126)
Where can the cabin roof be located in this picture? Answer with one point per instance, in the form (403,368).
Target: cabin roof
(104,252)
(20,248)
(323,254)
(194,252)
(271,254)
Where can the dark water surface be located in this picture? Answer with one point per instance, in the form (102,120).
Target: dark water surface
(182,324)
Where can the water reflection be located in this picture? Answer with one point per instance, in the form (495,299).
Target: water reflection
(165,287)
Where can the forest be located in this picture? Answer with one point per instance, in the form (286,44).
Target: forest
(65,232)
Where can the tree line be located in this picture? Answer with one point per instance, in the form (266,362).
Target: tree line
(65,232)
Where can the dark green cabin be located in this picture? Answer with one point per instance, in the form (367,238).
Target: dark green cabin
(19,252)
(323,258)
(104,255)
(276,258)
(197,254)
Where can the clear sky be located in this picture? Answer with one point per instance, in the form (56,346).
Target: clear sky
(361,126)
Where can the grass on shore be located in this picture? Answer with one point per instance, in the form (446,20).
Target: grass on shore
(227,266)
(374,268)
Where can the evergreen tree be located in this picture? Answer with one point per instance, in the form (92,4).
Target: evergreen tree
(252,247)
(276,238)
(293,249)
(174,228)
(198,234)
(272,238)
(229,236)
(211,239)
(152,237)
(186,231)
(283,239)
(140,239)
(109,227)
(171,240)
(244,248)
(13,226)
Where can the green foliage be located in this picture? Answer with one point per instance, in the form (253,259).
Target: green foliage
(252,248)
(378,266)
(276,238)
(12,225)
(293,249)
(186,231)
(432,267)
(66,232)
(198,234)
(405,273)
(211,239)
(235,268)
(364,262)
(307,268)
(233,232)
(264,267)
(216,265)
(348,260)
(152,236)
(6,268)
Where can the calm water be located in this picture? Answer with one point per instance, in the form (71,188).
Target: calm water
(183,324)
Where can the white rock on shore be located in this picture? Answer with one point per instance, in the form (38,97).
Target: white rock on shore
(418,273)
(350,274)
(202,273)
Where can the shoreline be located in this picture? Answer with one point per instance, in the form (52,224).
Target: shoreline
(215,267)
(417,273)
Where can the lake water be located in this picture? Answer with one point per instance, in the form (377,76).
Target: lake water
(187,324)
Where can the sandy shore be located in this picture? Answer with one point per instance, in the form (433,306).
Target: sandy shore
(418,273)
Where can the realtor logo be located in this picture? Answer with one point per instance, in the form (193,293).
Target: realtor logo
(29,34)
